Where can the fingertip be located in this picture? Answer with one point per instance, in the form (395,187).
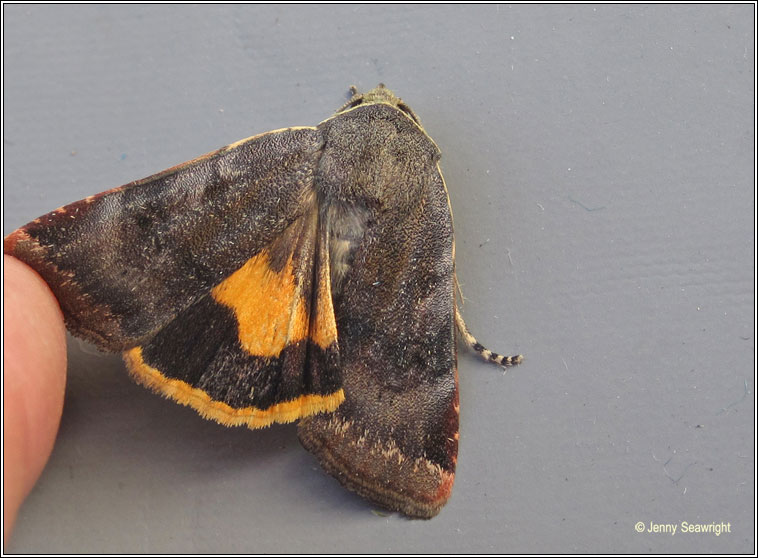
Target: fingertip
(34,380)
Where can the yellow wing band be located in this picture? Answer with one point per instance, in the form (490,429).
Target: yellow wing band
(252,417)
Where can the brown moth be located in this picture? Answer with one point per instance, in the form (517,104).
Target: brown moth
(301,274)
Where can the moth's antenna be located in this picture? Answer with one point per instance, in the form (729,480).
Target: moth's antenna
(480,349)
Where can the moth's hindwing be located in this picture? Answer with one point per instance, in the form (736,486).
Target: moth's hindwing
(261,347)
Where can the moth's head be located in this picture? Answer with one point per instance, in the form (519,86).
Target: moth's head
(379,94)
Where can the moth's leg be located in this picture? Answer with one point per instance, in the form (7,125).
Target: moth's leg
(480,349)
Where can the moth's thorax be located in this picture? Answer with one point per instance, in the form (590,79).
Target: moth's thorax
(376,155)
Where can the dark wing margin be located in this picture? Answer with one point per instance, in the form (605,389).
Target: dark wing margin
(125,263)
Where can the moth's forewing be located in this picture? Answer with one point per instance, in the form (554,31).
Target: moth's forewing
(394,439)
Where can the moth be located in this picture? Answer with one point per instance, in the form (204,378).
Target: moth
(306,273)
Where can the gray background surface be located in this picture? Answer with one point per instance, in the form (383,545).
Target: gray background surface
(600,167)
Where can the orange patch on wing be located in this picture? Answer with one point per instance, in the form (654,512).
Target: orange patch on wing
(323,330)
(221,412)
(268,305)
